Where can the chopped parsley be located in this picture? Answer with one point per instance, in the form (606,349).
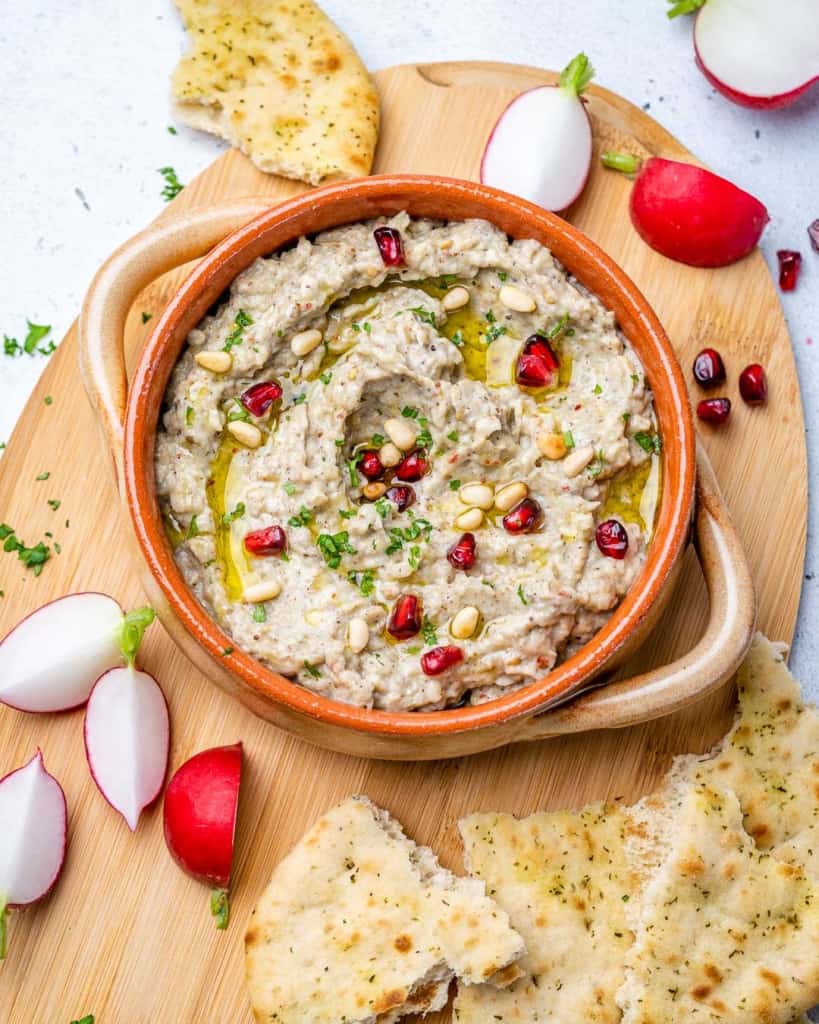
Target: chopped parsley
(521,595)
(424,438)
(236,411)
(171,131)
(378,440)
(454,485)
(237,513)
(31,344)
(226,651)
(193,529)
(382,507)
(87,1019)
(173,186)
(236,336)
(559,327)
(365,581)
(333,546)
(598,390)
(419,528)
(426,316)
(146,317)
(326,377)
(48,400)
(597,466)
(32,558)
(410,412)
(259,613)
(298,399)
(494,330)
(568,438)
(346,513)
(502,275)
(312,670)
(288,487)
(42,476)
(189,415)
(457,339)
(453,436)
(54,504)
(302,519)
(649,442)
(428,629)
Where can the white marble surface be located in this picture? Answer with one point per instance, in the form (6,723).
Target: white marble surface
(84,129)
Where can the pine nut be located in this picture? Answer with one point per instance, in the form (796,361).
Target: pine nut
(469,520)
(401,434)
(247,434)
(578,460)
(374,490)
(465,622)
(258,592)
(358,635)
(517,299)
(216,362)
(304,342)
(507,497)
(389,454)
(477,494)
(553,446)
(455,298)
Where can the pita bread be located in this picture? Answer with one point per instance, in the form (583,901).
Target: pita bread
(359,925)
(281,82)
(564,881)
(727,933)
(770,758)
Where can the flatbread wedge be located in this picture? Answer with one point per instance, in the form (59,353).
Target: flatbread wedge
(726,933)
(278,79)
(564,881)
(360,925)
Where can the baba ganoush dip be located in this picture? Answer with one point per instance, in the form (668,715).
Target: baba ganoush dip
(409,464)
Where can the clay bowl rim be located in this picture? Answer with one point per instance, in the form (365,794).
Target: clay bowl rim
(445,198)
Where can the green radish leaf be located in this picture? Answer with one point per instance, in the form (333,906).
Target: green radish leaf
(576,75)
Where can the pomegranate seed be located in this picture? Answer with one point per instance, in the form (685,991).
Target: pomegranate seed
(413,467)
(269,541)
(612,539)
(405,619)
(790,262)
(525,517)
(813,234)
(439,659)
(538,364)
(390,246)
(752,385)
(258,398)
(709,369)
(462,552)
(714,410)
(402,496)
(370,465)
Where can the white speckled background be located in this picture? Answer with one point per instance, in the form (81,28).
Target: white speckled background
(84,129)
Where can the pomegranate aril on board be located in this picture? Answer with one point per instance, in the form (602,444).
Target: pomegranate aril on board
(462,553)
(790,263)
(439,659)
(390,246)
(538,364)
(271,540)
(406,616)
(525,517)
(259,398)
(709,369)
(714,410)
(413,467)
(402,496)
(370,465)
(753,385)
(612,539)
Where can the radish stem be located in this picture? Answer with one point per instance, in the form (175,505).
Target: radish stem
(576,75)
(683,7)
(4,913)
(220,907)
(132,630)
(627,163)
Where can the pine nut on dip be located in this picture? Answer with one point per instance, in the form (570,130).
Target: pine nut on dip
(394,406)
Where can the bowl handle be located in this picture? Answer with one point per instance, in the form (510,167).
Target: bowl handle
(101,326)
(708,665)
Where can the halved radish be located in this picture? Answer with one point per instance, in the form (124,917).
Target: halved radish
(33,828)
(757,53)
(127,729)
(541,145)
(201,806)
(50,660)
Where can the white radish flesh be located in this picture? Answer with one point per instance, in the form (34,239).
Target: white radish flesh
(541,146)
(127,734)
(33,822)
(51,660)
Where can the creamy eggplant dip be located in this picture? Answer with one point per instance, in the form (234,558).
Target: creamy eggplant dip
(409,464)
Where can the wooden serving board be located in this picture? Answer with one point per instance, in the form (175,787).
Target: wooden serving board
(126,935)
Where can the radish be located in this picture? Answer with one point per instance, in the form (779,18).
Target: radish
(51,659)
(541,145)
(33,827)
(692,215)
(757,53)
(127,728)
(201,805)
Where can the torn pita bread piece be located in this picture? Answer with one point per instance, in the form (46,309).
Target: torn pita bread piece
(770,758)
(360,925)
(726,933)
(278,79)
(563,879)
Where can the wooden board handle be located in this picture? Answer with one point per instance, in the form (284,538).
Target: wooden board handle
(714,659)
(142,259)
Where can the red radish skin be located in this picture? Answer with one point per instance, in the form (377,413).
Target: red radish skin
(693,216)
(200,814)
(33,826)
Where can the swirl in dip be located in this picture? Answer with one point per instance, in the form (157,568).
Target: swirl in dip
(409,464)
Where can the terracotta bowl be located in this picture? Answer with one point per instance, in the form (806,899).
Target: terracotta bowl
(229,238)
